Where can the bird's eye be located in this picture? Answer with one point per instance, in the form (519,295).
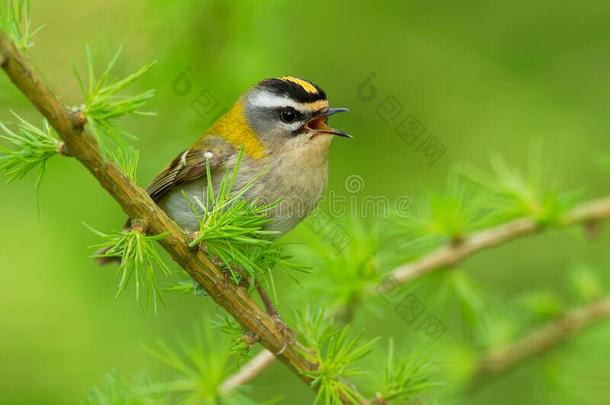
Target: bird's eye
(288,115)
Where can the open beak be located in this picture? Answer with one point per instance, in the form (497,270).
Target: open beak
(319,126)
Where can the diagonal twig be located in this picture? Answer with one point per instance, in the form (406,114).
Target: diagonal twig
(587,214)
(248,371)
(538,342)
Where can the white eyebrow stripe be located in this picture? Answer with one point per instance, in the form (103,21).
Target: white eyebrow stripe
(270,100)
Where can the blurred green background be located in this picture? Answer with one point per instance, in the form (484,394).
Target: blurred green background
(484,77)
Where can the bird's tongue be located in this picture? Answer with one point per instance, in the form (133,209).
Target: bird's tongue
(318,124)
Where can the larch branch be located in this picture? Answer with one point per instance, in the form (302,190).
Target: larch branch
(538,342)
(446,256)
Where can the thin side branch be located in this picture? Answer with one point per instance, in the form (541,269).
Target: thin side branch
(446,256)
(250,370)
(538,342)
(137,204)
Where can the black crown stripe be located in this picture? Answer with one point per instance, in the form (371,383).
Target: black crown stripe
(293,90)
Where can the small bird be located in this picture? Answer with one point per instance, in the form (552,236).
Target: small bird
(282,125)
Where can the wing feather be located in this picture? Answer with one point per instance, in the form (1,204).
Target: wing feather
(189,165)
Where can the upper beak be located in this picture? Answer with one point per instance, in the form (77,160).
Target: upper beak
(318,123)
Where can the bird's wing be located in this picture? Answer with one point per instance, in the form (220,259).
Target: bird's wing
(188,166)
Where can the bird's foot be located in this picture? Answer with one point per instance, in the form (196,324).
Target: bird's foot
(192,237)
(250,338)
(288,335)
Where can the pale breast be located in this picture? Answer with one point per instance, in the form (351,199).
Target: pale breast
(297,187)
(181,204)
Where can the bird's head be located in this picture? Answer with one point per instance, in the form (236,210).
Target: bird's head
(288,112)
(280,115)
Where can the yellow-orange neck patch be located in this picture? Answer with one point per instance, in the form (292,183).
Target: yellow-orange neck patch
(233,126)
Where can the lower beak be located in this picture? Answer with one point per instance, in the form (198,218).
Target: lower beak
(319,126)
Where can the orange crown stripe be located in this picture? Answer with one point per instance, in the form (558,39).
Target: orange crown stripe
(308,87)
